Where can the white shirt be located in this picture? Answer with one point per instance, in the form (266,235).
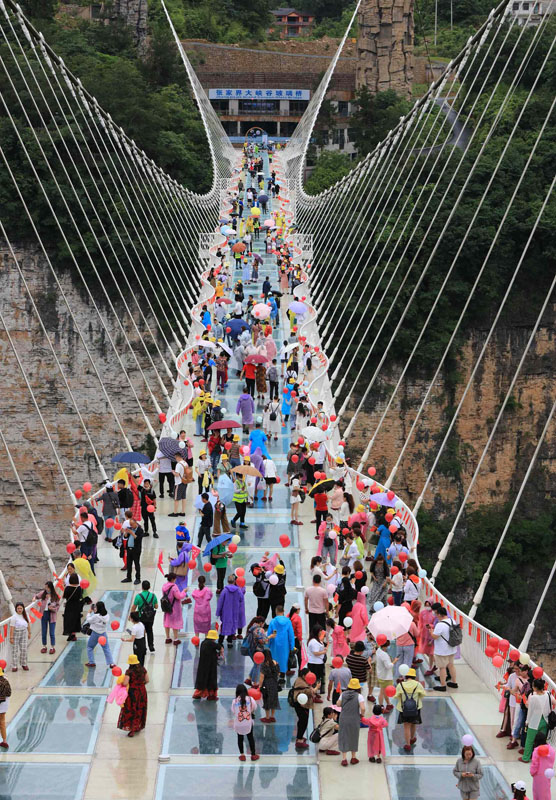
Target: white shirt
(441,646)
(269,469)
(353,554)
(164,464)
(18,622)
(397,582)
(537,707)
(312,648)
(180,470)
(138,630)
(98,624)
(202,465)
(411,591)
(84,530)
(384,666)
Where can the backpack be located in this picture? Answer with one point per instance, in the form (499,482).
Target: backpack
(247,645)
(147,611)
(273,414)
(410,711)
(165,603)
(316,735)
(258,589)
(92,537)
(291,697)
(455,637)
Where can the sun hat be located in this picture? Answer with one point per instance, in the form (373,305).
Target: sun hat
(236,437)
(279,569)
(212,635)
(132,659)
(354,684)
(202,452)
(410,673)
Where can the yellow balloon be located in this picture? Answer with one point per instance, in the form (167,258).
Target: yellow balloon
(255,212)
(524,658)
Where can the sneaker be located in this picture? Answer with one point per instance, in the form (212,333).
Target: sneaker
(254,757)
(126,580)
(136,581)
(378,760)
(354,761)
(439,688)
(242,757)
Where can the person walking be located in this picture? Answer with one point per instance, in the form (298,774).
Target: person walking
(5,694)
(206,679)
(219,556)
(282,642)
(20,634)
(146,605)
(302,697)
(246,405)
(375,737)
(316,653)
(133,716)
(170,603)
(384,672)
(269,686)
(148,500)
(243,710)
(49,605)
(541,762)
(270,475)
(73,607)
(207,520)
(231,611)
(240,501)
(97,620)
(297,626)
(538,708)
(468,771)
(137,637)
(405,648)
(444,652)
(110,506)
(352,703)
(202,613)
(409,702)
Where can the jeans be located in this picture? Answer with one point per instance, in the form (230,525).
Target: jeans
(398,597)
(214,459)
(92,642)
(273,390)
(199,425)
(405,656)
(47,625)
(329,550)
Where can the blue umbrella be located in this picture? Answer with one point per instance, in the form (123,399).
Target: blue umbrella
(297,308)
(168,447)
(131,458)
(263,198)
(224,537)
(237,326)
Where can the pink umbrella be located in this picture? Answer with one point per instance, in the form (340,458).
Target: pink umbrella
(256,359)
(269,223)
(261,311)
(392,621)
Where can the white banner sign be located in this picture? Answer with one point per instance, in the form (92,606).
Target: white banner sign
(259,94)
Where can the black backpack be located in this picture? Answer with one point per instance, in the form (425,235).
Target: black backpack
(410,711)
(147,610)
(165,603)
(291,697)
(92,537)
(258,589)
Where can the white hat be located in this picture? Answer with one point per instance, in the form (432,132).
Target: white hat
(520,785)
(296,605)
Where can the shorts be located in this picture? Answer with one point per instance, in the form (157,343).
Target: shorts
(270,481)
(444,661)
(180,491)
(384,683)
(415,721)
(469,795)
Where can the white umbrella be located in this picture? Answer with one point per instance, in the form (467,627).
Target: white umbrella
(206,343)
(291,347)
(392,621)
(314,434)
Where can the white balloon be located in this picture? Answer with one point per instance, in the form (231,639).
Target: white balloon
(182,445)
(173,434)
(378,605)
(331,589)
(273,579)
(348,622)
(224,410)
(236,539)
(365,590)
(302,698)
(403,670)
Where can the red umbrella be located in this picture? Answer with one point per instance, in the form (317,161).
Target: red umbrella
(256,359)
(224,424)
(225,300)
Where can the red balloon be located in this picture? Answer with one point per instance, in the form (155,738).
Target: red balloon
(503,645)
(514,655)
(78,493)
(310,678)
(192,564)
(360,486)
(207,567)
(489,651)
(381,639)
(117,526)
(71,548)
(390,495)
(497,661)
(240,572)
(538,672)
(300,439)
(232,547)
(84,710)
(390,601)
(87,486)
(254,693)
(285,540)
(102,640)
(324,427)
(285,390)
(392,528)
(83,510)
(3,664)
(258,657)
(109,522)
(394,571)
(84,584)
(414,578)
(543,750)
(197,337)
(186,383)
(227,445)
(358,574)
(116,672)
(162,417)
(228,329)
(342,443)
(70,714)
(295,459)
(314,420)
(150,508)
(195,641)
(390,691)
(312,460)
(333,418)
(201,381)
(371,470)
(115,625)
(493,641)
(388,517)
(337,662)
(240,582)
(403,557)
(277,479)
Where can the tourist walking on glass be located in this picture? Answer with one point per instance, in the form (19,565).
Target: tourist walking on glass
(352,704)
(20,633)
(409,702)
(240,501)
(146,606)
(49,605)
(206,679)
(170,603)
(468,771)
(133,716)
(302,696)
(97,620)
(243,711)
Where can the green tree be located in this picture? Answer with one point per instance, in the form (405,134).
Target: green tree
(375,115)
(329,168)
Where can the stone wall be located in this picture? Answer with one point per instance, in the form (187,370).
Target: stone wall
(385,46)
(21,559)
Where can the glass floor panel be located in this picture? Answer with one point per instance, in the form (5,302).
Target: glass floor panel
(439,734)
(57,724)
(237,666)
(20,781)
(241,781)
(265,528)
(438,783)
(70,670)
(290,558)
(199,727)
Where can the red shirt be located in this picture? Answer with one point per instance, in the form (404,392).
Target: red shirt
(249,370)
(321,501)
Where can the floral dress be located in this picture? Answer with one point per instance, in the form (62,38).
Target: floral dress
(133,716)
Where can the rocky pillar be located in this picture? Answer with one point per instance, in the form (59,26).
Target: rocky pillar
(385,46)
(134,14)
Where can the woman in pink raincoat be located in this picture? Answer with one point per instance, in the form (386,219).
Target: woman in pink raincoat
(340,647)
(542,759)
(173,619)
(360,620)
(360,516)
(375,737)
(202,613)
(327,531)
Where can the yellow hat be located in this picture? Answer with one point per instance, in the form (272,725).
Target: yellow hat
(212,635)
(224,457)
(339,461)
(279,569)
(217,402)
(360,508)
(132,659)
(354,684)
(236,437)
(410,673)
(202,452)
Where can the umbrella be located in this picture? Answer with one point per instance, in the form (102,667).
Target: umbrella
(263,198)
(206,343)
(392,621)
(268,223)
(247,469)
(256,359)
(224,537)
(381,498)
(261,310)
(168,447)
(297,308)
(322,486)
(198,502)
(223,221)
(258,258)
(291,347)
(225,489)
(224,424)
(225,300)
(315,434)
(226,230)
(130,458)
(225,347)
(237,326)
(239,247)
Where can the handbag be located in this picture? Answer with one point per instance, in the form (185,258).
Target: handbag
(292,660)
(86,629)
(551,719)
(316,735)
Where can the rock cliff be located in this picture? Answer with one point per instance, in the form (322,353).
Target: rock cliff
(385,46)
